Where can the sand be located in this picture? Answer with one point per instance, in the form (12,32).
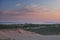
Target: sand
(20,34)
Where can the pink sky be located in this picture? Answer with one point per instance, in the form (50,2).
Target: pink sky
(31,11)
(32,14)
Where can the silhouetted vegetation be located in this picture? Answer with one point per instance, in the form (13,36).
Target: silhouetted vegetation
(44,29)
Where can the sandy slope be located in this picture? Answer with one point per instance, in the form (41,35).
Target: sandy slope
(19,34)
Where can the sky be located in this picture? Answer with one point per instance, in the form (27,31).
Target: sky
(30,11)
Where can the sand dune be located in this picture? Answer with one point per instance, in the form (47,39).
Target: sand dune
(19,34)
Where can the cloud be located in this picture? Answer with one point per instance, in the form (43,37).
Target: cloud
(37,8)
(32,9)
(26,12)
(31,13)
(18,5)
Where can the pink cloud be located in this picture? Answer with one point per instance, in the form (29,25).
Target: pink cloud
(32,13)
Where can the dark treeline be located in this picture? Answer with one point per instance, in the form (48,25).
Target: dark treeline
(38,28)
(5,26)
(8,26)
